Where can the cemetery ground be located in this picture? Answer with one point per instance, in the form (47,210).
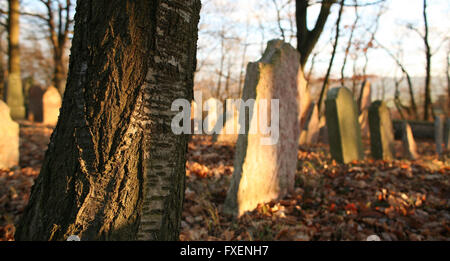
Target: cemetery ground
(396,200)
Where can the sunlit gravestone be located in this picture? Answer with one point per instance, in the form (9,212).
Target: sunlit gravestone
(364,101)
(409,144)
(310,131)
(344,133)
(9,138)
(51,103)
(264,169)
(381,131)
(229,133)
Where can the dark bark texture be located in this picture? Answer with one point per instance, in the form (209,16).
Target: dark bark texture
(307,39)
(114,170)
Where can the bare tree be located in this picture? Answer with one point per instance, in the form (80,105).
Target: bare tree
(307,39)
(428,111)
(330,65)
(58,20)
(407,75)
(427,105)
(118,172)
(14,92)
(448,77)
(349,42)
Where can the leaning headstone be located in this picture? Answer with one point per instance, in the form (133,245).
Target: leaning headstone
(266,171)
(344,133)
(9,138)
(310,131)
(438,133)
(51,103)
(409,144)
(364,101)
(35,106)
(381,131)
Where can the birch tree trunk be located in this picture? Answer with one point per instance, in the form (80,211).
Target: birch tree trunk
(114,170)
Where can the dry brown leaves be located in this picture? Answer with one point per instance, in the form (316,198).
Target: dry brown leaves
(398,200)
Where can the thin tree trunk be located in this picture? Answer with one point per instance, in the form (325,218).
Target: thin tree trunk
(2,68)
(114,170)
(427,104)
(448,80)
(59,72)
(349,44)
(222,61)
(336,40)
(14,92)
(307,39)
(244,57)
(408,80)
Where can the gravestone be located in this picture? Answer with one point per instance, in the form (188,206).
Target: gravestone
(344,133)
(305,102)
(35,106)
(266,171)
(409,144)
(229,133)
(51,103)
(364,101)
(447,134)
(438,133)
(9,138)
(310,131)
(381,131)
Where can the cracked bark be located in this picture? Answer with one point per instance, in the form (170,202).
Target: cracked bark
(114,170)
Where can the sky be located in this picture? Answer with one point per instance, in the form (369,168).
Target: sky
(392,32)
(234,15)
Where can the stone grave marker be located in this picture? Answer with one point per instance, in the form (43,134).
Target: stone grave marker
(9,138)
(409,144)
(381,131)
(344,133)
(364,101)
(439,133)
(266,171)
(51,103)
(310,131)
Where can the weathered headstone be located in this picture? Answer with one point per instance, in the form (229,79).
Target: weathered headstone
(438,133)
(305,102)
(344,133)
(381,131)
(9,138)
(447,134)
(409,144)
(265,172)
(229,133)
(51,103)
(310,131)
(364,101)
(35,106)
